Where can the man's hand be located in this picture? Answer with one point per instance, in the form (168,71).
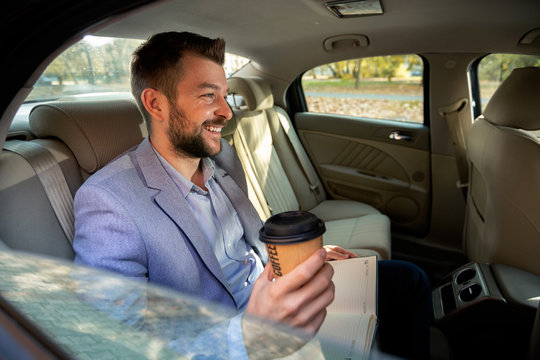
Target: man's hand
(334,252)
(299,298)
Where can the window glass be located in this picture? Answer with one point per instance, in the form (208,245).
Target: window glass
(493,69)
(233,63)
(93,314)
(383,87)
(97,65)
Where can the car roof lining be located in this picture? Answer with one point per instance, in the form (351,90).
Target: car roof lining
(283,34)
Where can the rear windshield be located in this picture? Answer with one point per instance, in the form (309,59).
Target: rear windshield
(97,66)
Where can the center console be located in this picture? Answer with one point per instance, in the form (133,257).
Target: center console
(471,286)
(488,309)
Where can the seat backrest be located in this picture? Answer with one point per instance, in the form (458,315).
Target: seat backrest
(503,202)
(273,148)
(270,187)
(82,137)
(28,221)
(95,131)
(307,184)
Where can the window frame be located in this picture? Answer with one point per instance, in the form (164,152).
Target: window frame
(296,99)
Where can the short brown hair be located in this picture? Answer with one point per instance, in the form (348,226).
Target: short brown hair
(157,64)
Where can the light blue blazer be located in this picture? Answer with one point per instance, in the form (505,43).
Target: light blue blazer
(131,218)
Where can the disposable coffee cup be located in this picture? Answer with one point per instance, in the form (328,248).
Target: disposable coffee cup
(290,238)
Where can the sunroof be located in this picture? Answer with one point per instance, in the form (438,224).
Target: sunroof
(353,8)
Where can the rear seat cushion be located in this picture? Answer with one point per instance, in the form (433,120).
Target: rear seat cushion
(368,232)
(342,209)
(95,131)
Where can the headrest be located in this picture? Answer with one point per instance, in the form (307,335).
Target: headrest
(95,131)
(516,102)
(254,90)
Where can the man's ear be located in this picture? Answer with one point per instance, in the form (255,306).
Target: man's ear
(155,103)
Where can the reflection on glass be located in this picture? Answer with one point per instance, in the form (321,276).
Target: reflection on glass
(97,315)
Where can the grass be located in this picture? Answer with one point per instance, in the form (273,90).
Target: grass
(410,111)
(401,87)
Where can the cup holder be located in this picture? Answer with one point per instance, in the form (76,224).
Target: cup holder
(470,292)
(465,275)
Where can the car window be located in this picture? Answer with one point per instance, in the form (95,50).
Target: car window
(93,314)
(382,87)
(97,65)
(493,69)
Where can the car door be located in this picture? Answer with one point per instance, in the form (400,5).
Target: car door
(365,132)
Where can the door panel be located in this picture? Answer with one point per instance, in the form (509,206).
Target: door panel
(383,163)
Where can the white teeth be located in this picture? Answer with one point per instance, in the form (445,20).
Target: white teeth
(213,129)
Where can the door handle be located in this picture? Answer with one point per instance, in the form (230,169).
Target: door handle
(401,136)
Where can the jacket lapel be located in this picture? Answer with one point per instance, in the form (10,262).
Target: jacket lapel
(172,203)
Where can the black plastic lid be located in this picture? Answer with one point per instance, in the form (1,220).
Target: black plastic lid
(291,227)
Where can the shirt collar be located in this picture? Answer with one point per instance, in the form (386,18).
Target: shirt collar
(208,167)
(185,185)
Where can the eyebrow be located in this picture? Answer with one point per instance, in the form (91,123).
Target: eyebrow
(206,85)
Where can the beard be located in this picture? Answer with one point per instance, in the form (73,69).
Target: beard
(190,144)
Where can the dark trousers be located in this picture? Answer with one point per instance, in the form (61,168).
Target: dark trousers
(405,309)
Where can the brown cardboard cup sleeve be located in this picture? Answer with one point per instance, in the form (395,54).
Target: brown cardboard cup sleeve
(291,237)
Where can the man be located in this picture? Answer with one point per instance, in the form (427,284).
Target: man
(166,212)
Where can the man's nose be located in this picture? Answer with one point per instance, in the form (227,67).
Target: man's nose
(224,109)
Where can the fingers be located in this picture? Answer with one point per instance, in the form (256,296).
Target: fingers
(267,273)
(319,287)
(264,279)
(334,255)
(315,324)
(312,299)
(350,253)
(298,298)
(302,273)
(334,252)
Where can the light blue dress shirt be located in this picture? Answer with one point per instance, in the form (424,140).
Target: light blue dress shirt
(220,223)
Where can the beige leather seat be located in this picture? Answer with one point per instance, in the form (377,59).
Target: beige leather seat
(81,137)
(281,177)
(28,222)
(503,204)
(95,131)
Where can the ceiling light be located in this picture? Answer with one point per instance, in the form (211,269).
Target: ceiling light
(352,8)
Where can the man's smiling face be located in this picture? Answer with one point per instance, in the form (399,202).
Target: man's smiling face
(199,112)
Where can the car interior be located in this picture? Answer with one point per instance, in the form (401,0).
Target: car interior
(456,193)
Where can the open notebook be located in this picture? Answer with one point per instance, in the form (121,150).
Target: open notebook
(352,317)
